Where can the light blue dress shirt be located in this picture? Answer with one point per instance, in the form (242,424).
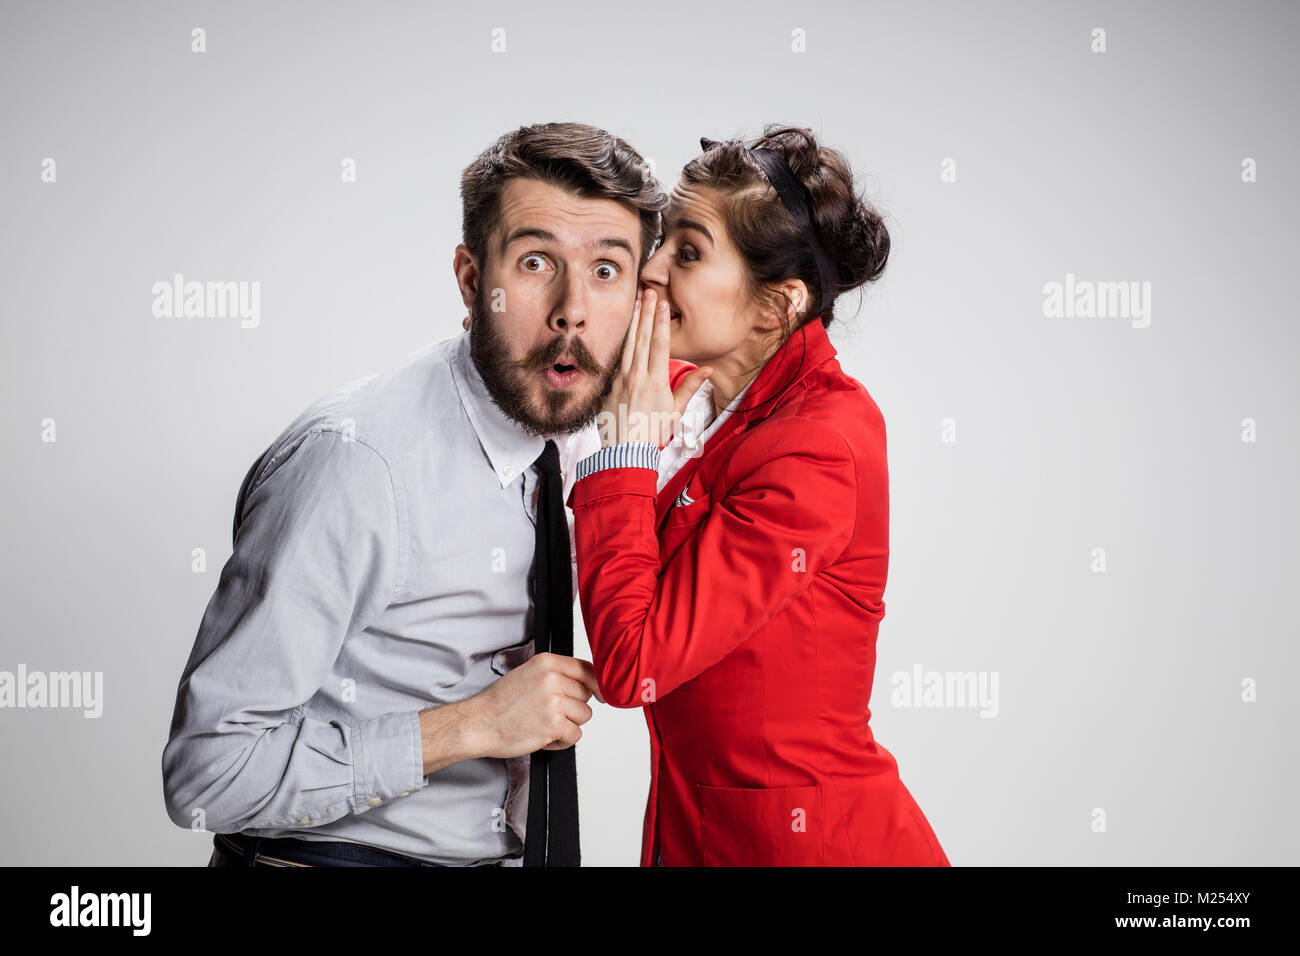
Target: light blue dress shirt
(380,568)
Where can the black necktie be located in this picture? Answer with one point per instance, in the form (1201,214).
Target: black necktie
(551,838)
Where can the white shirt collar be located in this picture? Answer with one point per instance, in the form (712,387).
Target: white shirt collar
(698,419)
(697,425)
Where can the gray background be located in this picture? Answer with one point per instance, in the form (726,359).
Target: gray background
(1119,691)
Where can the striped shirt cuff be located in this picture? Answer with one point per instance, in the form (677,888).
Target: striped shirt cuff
(631,454)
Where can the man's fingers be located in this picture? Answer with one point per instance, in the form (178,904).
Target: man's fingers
(577,711)
(588,678)
(579,671)
(572,732)
(562,744)
(575,689)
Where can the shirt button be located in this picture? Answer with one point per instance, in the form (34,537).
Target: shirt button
(508,470)
(304,819)
(375,801)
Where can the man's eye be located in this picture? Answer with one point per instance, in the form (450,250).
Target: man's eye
(533,262)
(607,270)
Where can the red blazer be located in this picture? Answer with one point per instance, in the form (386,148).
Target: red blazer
(743,618)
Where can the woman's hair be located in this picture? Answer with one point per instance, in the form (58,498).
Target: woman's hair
(851,232)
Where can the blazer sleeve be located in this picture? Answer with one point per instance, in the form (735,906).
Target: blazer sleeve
(788,515)
(678,370)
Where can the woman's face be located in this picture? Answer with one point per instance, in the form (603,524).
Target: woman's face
(699,271)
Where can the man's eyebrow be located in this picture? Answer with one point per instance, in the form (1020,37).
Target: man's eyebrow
(616,243)
(524,232)
(692,224)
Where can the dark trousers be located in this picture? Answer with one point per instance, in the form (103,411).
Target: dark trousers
(236,849)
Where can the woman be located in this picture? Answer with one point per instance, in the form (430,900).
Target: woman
(732,579)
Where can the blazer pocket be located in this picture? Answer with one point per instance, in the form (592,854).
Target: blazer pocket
(688,513)
(765,826)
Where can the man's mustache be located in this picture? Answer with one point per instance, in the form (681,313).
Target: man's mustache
(548,354)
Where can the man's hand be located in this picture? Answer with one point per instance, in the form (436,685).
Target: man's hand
(540,705)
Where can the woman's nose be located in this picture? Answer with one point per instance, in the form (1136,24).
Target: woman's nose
(655,271)
(654,275)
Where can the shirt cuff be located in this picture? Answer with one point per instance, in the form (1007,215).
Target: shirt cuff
(631,454)
(388,760)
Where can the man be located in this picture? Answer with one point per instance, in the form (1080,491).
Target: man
(364,687)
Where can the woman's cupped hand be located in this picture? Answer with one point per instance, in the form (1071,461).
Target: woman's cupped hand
(641,405)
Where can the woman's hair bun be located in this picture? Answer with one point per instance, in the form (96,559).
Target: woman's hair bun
(851,232)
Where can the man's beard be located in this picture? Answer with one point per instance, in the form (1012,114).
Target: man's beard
(511,383)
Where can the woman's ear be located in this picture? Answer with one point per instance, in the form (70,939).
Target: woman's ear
(798,301)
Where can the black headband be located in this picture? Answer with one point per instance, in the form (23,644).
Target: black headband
(794,196)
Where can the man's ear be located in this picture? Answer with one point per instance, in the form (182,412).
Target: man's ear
(465,266)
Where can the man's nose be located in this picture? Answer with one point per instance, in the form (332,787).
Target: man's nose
(570,313)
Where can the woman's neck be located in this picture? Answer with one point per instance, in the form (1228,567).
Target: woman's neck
(727,386)
(738,368)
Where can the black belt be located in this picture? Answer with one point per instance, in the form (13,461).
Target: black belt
(285,851)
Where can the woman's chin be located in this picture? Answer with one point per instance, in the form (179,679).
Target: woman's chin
(676,343)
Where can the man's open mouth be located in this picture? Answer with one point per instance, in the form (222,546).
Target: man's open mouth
(562,375)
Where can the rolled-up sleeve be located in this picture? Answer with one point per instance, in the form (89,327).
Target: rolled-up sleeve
(632,454)
(316,560)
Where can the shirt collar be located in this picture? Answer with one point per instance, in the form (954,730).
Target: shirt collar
(698,423)
(698,416)
(509,448)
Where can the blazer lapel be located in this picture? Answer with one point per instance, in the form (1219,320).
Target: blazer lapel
(788,366)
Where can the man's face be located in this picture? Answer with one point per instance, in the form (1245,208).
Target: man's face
(553,304)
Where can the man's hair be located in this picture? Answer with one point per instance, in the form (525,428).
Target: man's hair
(588,162)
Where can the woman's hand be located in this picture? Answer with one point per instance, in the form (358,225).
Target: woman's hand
(641,406)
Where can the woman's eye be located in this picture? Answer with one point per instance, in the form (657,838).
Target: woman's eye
(533,262)
(607,270)
(686,254)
